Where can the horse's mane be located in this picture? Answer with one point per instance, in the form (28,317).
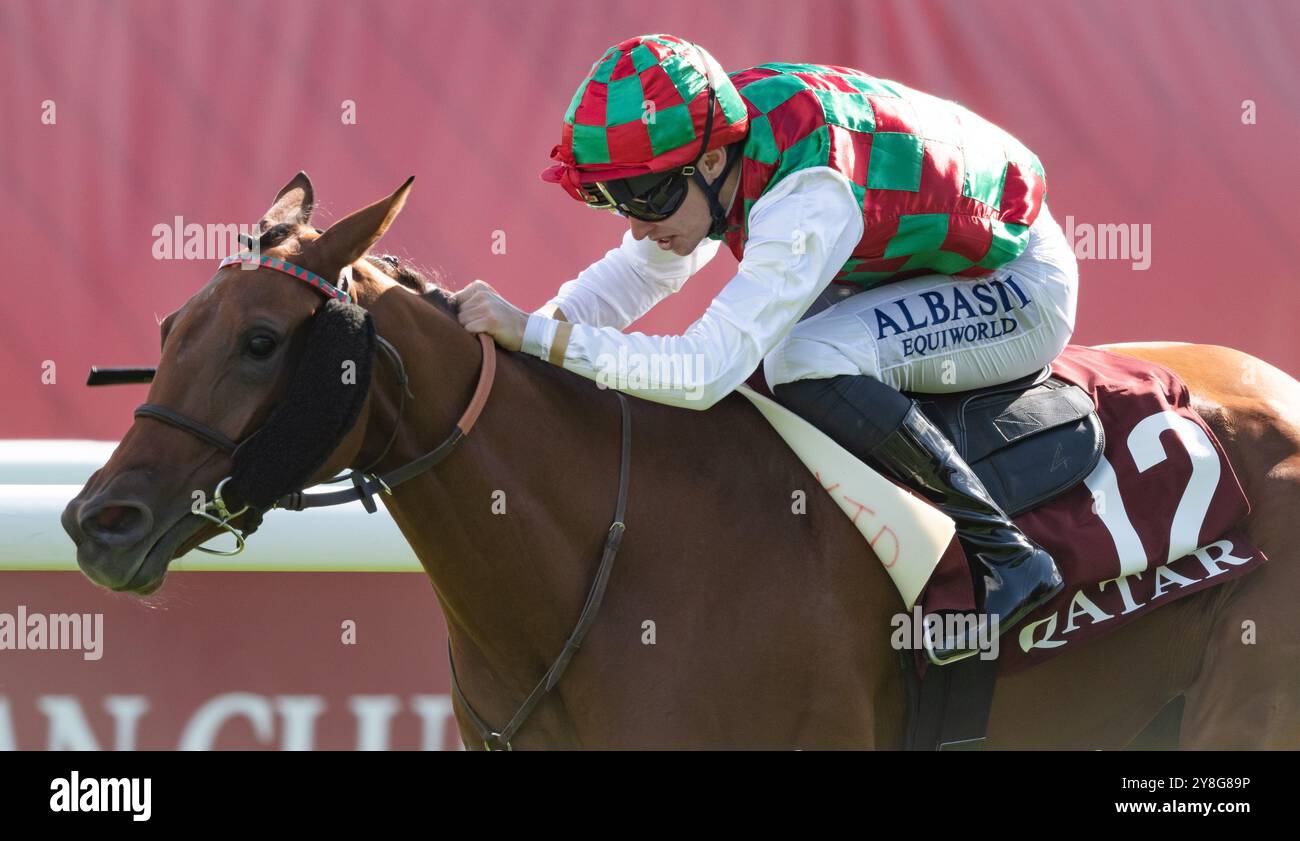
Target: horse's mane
(412,278)
(437,295)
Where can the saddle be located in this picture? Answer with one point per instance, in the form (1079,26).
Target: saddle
(1029,440)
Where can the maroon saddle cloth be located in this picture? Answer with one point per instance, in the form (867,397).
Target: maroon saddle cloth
(1137,502)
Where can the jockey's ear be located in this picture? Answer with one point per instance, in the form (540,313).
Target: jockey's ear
(712,162)
(293,204)
(348,239)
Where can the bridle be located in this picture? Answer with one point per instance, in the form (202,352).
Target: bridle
(366,484)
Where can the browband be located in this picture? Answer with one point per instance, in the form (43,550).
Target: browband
(306,275)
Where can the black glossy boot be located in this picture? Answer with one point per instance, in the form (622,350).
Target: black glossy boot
(1018,575)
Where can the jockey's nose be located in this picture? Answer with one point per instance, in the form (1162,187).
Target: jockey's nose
(639,228)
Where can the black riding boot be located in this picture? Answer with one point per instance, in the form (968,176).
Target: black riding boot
(882,426)
(1018,575)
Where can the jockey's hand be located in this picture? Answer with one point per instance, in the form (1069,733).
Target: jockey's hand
(481,309)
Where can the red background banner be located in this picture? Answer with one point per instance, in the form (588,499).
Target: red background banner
(203,110)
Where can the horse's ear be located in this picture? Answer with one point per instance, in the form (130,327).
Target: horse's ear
(348,239)
(292,205)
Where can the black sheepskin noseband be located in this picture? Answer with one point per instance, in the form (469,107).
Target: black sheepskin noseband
(319,407)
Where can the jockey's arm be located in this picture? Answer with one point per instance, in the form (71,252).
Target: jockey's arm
(626,283)
(800,235)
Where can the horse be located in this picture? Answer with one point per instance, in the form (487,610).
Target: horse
(728,621)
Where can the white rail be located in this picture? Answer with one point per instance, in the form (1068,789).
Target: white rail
(38,477)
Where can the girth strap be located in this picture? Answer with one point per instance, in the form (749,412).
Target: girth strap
(500,739)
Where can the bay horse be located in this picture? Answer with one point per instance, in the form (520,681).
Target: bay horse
(728,621)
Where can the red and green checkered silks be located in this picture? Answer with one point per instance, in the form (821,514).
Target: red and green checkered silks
(942,190)
(643,108)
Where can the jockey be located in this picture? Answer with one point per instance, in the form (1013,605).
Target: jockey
(887,241)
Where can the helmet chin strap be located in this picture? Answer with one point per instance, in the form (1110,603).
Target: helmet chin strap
(717,213)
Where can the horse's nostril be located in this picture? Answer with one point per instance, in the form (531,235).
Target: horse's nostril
(108,519)
(117,521)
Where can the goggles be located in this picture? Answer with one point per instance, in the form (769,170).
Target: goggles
(651,198)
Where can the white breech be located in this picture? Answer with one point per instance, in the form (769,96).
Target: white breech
(939,333)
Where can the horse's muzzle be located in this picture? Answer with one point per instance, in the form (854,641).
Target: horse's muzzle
(120,539)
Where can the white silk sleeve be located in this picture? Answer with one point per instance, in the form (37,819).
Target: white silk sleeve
(627,282)
(801,233)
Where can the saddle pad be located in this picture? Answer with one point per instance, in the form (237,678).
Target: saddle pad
(1159,517)
(907,535)
(1028,441)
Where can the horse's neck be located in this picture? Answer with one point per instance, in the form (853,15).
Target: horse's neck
(502,526)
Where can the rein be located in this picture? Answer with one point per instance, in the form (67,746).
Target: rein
(365,484)
(500,739)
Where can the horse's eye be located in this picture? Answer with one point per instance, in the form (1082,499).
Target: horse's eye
(260,347)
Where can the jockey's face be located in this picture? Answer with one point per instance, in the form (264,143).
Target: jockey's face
(683,231)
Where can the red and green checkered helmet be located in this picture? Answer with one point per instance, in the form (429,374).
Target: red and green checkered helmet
(642,109)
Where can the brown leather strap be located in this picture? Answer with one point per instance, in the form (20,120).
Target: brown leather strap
(481,391)
(193,427)
(487,375)
(500,739)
